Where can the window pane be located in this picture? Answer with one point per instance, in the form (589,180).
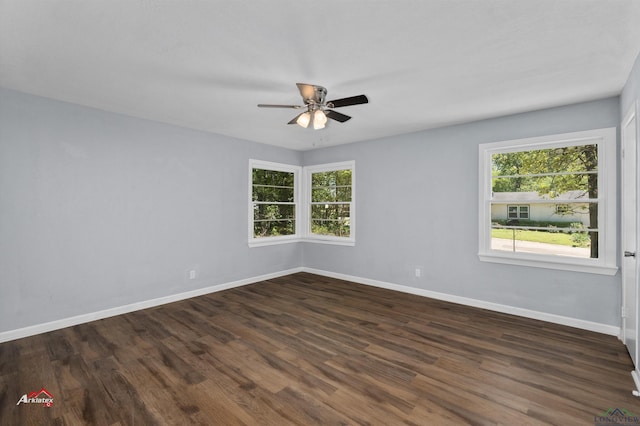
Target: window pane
(330,219)
(333,185)
(273,219)
(558,186)
(331,178)
(527,180)
(272,177)
(512,180)
(274,228)
(330,193)
(581,158)
(273,211)
(563,234)
(273,200)
(273,193)
(330,211)
(272,185)
(337,228)
(572,243)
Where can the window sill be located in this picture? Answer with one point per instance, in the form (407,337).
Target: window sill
(586,266)
(271,241)
(329,240)
(262,242)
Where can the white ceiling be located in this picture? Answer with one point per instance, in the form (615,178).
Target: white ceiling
(423,63)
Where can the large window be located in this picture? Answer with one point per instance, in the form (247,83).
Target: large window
(330,191)
(276,214)
(273,203)
(568,184)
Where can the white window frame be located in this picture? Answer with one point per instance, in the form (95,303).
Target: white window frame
(281,239)
(302,202)
(606,262)
(329,239)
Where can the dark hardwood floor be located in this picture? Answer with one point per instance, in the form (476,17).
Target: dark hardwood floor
(307,350)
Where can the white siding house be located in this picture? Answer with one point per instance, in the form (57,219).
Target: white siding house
(541,208)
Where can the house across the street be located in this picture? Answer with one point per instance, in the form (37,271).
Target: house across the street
(569,207)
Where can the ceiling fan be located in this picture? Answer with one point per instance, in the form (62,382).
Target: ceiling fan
(317,110)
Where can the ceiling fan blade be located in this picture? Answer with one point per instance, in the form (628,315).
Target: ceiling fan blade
(279,106)
(295,119)
(353,100)
(334,115)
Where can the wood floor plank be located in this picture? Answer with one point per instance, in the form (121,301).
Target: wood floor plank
(305,349)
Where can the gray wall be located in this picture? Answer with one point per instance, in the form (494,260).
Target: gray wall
(99,210)
(417,205)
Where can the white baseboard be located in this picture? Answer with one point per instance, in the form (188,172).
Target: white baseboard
(32,330)
(106,313)
(527,313)
(636,382)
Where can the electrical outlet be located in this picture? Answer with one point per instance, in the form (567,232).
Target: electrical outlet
(192,274)
(418,271)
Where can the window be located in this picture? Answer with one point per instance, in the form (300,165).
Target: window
(330,192)
(518,212)
(568,184)
(273,203)
(276,214)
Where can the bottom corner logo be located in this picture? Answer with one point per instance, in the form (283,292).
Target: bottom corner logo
(618,416)
(42,396)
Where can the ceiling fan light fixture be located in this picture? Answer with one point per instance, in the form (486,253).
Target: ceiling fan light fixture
(319,119)
(316,109)
(304,119)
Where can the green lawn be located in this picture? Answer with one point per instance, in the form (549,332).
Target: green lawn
(558,238)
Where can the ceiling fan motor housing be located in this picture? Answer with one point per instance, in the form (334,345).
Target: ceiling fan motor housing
(317,97)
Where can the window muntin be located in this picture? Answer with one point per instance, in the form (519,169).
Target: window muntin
(560,170)
(331,202)
(273,203)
